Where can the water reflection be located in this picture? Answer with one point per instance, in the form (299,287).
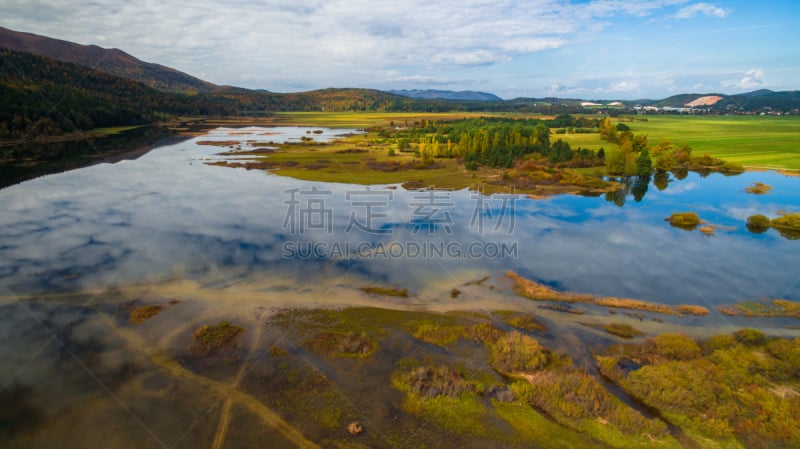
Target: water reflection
(168,215)
(29,160)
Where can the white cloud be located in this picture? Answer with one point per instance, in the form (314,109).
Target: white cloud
(753,79)
(285,45)
(624,86)
(707,9)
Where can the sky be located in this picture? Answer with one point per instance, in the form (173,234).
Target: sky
(590,49)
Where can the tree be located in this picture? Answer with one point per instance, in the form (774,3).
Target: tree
(560,152)
(541,136)
(607,130)
(644,165)
(615,162)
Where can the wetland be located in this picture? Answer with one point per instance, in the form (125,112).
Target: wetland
(186,299)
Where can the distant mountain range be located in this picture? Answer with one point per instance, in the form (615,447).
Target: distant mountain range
(430,94)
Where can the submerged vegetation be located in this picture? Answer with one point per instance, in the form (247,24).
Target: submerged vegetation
(140,314)
(623,330)
(217,338)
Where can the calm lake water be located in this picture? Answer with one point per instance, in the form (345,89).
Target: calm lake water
(230,243)
(168,214)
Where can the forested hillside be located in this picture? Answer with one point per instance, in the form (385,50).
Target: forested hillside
(42,96)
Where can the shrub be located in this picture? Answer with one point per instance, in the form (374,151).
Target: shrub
(684,220)
(757,223)
(750,337)
(516,352)
(484,333)
(676,347)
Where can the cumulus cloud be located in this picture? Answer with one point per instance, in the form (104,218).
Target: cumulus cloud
(706,9)
(624,86)
(752,79)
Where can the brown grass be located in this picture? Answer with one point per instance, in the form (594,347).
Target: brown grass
(534,290)
(692,310)
(540,292)
(635,304)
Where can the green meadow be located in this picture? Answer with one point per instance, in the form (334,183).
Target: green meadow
(753,141)
(765,142)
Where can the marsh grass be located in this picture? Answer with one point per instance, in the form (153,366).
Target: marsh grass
(139,315)
(766,308)
(439,334)
(534,290)
(741,391)
(623,330)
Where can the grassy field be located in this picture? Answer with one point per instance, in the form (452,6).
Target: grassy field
(756,142)
(369,119)
(753,141)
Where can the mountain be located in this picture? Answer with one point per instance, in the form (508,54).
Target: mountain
(44,96)
(429,94)
(112,61)
(758,93)
(748,101)
(764,99)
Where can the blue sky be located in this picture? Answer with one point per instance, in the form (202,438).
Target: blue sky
(592,49)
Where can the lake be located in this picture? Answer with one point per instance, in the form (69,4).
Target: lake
(220,243)
(168,214)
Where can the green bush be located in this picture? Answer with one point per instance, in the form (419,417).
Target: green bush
(515,352)
(750,337)
(676,347)
(757,223)
(684,220)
